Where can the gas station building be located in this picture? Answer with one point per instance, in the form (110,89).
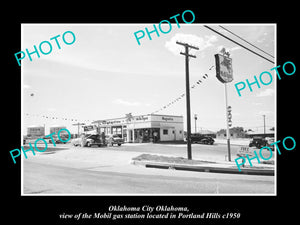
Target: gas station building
(144,128)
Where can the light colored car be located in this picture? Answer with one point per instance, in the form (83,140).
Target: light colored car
(57,140)
(88,140)
(114,139)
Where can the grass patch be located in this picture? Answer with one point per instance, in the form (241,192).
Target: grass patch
(168,159)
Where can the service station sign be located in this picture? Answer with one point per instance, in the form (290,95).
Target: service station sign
(224,68)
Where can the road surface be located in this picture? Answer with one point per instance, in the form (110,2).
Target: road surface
(44,178)
(107,171)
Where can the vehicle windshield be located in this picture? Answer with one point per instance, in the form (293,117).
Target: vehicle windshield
(112,135)
(256,138)
(93,136)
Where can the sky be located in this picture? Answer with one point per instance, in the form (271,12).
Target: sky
(105,74)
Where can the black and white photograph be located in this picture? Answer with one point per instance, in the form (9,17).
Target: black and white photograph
(147,110)
(150,115)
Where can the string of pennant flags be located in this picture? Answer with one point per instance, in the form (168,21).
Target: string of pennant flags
(198,82)
(56,118)
(175,100)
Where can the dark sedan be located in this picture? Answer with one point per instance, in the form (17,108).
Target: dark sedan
(202,139)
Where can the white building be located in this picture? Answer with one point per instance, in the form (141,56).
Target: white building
(56,128)
(35,131)
(143,128)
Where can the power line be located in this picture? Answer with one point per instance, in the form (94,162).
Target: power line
(198,82)
(239,44)
(246,41)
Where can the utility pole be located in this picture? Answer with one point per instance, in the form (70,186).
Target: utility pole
(264,124)
(195,117)
(78,124)
(187,84)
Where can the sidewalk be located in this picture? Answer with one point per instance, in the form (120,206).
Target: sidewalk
(207,166)
(121,160)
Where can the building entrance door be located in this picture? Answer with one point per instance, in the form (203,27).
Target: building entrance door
(130,138)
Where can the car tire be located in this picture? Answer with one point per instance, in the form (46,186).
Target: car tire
(119,144)
(88,144)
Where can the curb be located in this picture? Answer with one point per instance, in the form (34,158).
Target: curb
(199,168)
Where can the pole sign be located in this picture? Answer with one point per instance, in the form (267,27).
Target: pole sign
(245,150)
(224,68)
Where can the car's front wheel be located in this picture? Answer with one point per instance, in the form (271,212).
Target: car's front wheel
(258,145)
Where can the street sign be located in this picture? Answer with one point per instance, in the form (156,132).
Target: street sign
(224,68)
(245,150)
(229,116)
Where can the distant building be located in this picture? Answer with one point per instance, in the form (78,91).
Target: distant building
(268,133)
(208,133)
(235,132)
(239,132)
(35,131)
(56,128)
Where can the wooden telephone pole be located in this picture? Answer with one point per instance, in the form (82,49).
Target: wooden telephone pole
(187,85)
(78,124)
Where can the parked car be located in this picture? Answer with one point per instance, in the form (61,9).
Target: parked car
(270,141)
(202,139)
(24,139)
(258,142)
(88,140)
(114,139)
(57,140)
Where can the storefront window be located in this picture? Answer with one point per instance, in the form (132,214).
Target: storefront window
(117,130)
(165,132)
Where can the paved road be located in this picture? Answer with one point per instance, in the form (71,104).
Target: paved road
(108,171)
(199,151)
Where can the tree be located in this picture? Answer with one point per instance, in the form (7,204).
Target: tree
(237,129)
(233,130)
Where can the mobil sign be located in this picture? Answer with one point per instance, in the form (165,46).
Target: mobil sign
(224,68)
